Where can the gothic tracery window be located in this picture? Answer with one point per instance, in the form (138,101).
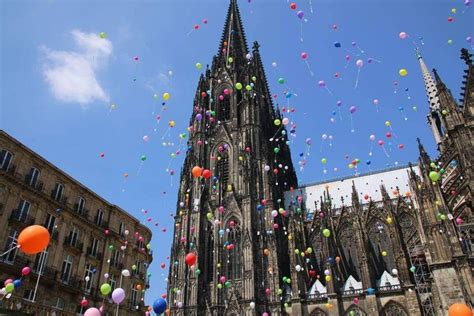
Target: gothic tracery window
(233,256)
(393,309)
(224,109)
(222,168)
(355,310)
(349,251)
(318,312)
(382,255)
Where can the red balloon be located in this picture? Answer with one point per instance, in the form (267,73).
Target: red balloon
(293,6)
(206,174)
(190,259)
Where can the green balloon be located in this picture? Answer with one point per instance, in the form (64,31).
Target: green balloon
(105,289)
(198,272)
(238,86)
(219,286)
(9,287)
(281,81)
(248,87)
(412,269)
(326,232)
(231,60)
(228,284)
(442,217)
(434,176)
(254,78)
(276,150)
(433,165)
(111,247)
(143,157)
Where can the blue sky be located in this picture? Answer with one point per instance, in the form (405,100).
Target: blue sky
(59,80)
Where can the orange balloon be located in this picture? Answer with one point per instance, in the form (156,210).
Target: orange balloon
(167,312)
(459,309)
(33,239)
(266,252)
(139,287)
(197,171)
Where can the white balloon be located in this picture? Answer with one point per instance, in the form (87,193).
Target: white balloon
(394,271)
(125,273)
(3,291)
(298,268)
(252,305)
(87,278)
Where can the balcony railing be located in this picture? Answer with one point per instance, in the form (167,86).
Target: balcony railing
(72,284)
(389,288)
(37,185)
(20,217)
(77,244)
(116,264)
(97,255)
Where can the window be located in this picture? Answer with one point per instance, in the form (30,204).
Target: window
(224,109)
(122,230)
(116,258)
(66,269)
(80,205)
(59,303)
(139,267)
(11,242)
(41,260)
(140,244)
(133,296)
(57,192)
(89,272)
(29,295)
(5,159)
(112,281)
(99,217)
(33,176)
(94,246)
(73,236)
(223,169)
(23,209)
(50,223)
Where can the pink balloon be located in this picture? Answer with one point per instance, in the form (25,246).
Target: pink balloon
(25,271)
(8,281)
(403,35)
(321,83)
(359,63)
(304,55)
(380,142)
(372,137)
(92,312)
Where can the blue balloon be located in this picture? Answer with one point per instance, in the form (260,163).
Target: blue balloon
(17,283)
(159,306)
(337,44)
(368,162)
(370,291)
(259,207)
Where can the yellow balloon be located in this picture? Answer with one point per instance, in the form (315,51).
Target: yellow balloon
(166,96)
(387,123)
(172,123)
(403,72)
(453,10)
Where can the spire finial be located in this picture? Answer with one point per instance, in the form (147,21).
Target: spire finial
(466,56)
(418,53)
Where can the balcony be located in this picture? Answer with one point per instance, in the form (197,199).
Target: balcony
(38,185)
(21,218)
(71,284)
(62,199)
(116,264)
(102,223)
(97,255)
(390,288)
(74,244)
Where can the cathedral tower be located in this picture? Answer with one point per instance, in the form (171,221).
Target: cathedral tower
(231,216)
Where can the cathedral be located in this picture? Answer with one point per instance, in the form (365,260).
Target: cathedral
(249,241)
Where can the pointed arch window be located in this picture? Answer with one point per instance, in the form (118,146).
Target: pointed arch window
(349,251)
(233,257)
(222,167)
(381,250)
(224,109)
(318,312)
(355,310)
(393,309)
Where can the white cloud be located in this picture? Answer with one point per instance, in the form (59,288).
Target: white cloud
(71,75)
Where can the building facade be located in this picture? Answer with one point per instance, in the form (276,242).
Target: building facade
(400,246)
(89,238)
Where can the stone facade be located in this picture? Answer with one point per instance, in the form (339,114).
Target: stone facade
(263,248)
(87,234)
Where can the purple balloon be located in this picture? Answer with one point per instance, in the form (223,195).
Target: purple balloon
(92,312)
(300,14)
(198,117)
(118,295)
(352,109)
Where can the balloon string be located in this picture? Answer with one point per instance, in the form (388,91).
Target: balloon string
(357,78)
(41,264)
(385,151)
(330,92)
(10,250)
(301,32)
(309,68)
(311,6)
(139,168)
(166,133)
(352,125)
(189,33)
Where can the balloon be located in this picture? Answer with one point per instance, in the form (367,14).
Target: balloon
(326,232)
(92,312)
(337,44)
(372,137)
(238,86)
(403,72)
(105,289)
(166,96)
(25,271)
(434,176)
(359,63)
(159,306)
(323,161)
(33,239)
(17,283)
(403,35)
(142,157)
(196,172)
(292,7)
(277,122)
(459,309)
(84,303)
(322,83)
(300,14)
(304,55)
(352,109)
(198,65)
(125,273)
(252,305)
(103,35)
(190,259)
(281,80)
(206,174)
(9,287)
(118,295)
